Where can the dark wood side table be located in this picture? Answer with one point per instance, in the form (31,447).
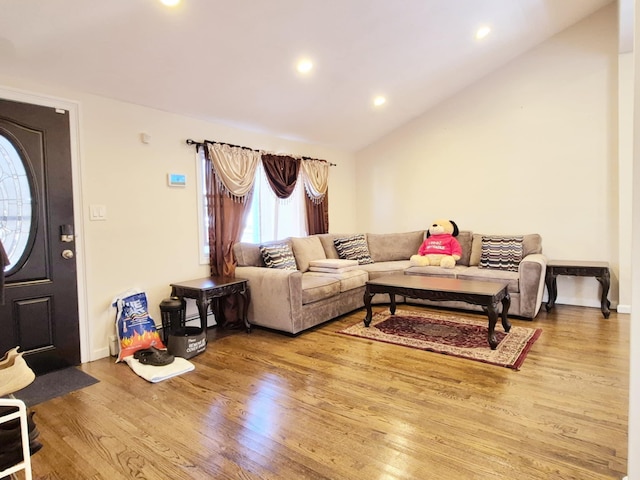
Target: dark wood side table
(210,290)
(599,270)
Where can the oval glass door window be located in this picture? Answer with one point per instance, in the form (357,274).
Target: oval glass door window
(16,205)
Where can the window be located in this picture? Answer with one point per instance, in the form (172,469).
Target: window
(269,218)
(15,203)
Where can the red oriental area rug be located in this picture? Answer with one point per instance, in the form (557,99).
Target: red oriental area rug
(449,334)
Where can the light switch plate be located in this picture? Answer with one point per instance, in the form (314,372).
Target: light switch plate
(97,212)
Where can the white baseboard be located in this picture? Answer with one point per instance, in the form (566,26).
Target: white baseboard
(624,308)
(99,353)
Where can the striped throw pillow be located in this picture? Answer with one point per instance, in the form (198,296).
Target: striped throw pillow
(353,248)
(278,256)
(502,253)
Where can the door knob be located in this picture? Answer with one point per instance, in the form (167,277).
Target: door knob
(68,254)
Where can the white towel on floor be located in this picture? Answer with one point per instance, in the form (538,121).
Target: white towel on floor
(156,374)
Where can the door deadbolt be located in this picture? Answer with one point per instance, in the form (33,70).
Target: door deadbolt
(68,254)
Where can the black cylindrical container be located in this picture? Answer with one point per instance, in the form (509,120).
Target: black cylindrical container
(172,311)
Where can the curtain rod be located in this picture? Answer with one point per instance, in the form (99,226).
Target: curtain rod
(204,142)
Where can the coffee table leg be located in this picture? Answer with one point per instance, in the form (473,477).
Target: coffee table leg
(392,307)
(506,303)
(367,303)
(492,313)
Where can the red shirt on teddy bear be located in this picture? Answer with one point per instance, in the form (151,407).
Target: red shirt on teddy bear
(444,244)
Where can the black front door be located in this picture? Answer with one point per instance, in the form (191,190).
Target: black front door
(40,311)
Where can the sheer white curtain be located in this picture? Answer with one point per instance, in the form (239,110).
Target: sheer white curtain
(271,218)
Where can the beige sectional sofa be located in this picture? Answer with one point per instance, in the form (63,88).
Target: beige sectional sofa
(295,300)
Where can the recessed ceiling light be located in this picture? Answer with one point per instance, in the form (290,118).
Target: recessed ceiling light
(304,66)
(379,101)
(170,3)
(482,32)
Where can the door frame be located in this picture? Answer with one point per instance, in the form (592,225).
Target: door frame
(78,210)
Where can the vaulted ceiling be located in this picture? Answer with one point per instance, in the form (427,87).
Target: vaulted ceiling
(234,61)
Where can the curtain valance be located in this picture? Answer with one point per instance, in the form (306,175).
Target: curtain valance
(315,175)
(235,168)
(282,173)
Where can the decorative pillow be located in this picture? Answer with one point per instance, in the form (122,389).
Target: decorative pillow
(278,256)
(502,253)
(353,248)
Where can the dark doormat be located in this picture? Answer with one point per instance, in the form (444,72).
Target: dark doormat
(54,384)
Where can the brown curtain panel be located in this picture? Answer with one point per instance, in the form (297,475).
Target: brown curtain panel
(282,173)
(317,215)
(226,218)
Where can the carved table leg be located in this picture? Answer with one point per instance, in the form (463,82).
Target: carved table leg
(203,306)
(552,290)
(246,298)
(367,303)
(392,307)
(492,313)
(506,303)
(604,301)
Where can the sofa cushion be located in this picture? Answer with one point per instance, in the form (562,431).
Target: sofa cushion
(353,247)
(316,288)
(327,243)
(306,249)
(278,256)
(394,246)
(492,275)
(531,243)
(248,254)
(501,253)
(465,239)
(348,280)
(380,269)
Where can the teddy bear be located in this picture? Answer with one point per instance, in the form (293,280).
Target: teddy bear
(440,248)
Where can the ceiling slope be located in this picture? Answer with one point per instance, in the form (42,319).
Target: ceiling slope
(233,61)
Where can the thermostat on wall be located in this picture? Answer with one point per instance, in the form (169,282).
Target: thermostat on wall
(177,179)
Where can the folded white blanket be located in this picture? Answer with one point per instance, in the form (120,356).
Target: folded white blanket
(155,374)
(333,263)
(331,270)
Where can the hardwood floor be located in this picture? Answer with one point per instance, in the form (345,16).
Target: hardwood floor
(327,406)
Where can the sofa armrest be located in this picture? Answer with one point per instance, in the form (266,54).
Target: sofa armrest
(276,296)
(532,271)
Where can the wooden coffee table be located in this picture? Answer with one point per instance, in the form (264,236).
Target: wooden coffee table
(485,294)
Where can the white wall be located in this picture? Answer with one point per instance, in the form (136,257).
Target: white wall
(530,148)
(633,466)
(625,176)
(150,236)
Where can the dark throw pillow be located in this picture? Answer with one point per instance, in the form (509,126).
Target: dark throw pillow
(353,248)
(278,256)
(502,253)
